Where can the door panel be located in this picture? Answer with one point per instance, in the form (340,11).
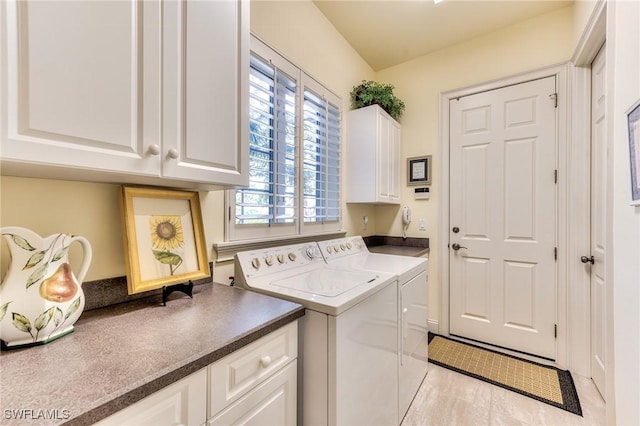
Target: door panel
(598,218)
(503,198)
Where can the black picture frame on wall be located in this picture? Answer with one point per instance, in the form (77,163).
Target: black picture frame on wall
(419,170)
(633,120)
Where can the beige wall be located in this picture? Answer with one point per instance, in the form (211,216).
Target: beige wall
(88,209)
(536,43)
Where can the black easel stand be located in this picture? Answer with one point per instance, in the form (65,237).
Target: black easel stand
(184,288)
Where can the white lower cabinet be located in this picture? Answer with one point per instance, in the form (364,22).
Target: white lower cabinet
(182,403)
(271,403)
(255,385)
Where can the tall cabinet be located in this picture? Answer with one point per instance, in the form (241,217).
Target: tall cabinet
(373,157)
(125,91)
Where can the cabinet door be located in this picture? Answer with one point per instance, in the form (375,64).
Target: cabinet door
(75,91)
(205,90)
(394,161)
(384,160)
(182,403)
(271,403)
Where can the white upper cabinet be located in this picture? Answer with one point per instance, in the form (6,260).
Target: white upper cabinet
(373,163)
(125,91)
(205,85)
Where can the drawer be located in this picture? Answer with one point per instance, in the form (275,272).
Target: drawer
(237,373)
(273,402)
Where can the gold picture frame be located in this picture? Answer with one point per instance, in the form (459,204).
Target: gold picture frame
(163,237)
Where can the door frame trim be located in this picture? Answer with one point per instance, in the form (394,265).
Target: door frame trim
(561,72)
(592,39)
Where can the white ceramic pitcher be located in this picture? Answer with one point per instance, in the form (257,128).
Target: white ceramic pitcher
(40,298)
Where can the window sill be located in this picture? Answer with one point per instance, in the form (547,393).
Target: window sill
(227,250)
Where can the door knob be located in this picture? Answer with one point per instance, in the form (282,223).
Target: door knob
(457,246)
(585,259)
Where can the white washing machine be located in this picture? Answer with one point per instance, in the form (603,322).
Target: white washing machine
(351,253)
(348,340)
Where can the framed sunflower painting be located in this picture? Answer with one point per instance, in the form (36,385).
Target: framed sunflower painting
(163,237)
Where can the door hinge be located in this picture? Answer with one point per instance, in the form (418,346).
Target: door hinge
(555,331)
(554,98)
(555,253)
(555,176)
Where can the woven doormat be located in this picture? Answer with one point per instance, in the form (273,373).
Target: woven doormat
(538,381)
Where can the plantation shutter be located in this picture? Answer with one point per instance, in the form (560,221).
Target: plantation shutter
(321,157)
(294,154)
(271,195)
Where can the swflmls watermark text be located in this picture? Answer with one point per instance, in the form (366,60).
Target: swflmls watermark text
(36,414)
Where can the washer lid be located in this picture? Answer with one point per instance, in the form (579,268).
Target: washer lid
(327,282)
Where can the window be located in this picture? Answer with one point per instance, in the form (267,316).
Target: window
(294,160)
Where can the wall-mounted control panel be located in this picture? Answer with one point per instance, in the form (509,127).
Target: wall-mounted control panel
(421,193)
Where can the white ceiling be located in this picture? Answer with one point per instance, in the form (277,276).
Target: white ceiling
(389,32)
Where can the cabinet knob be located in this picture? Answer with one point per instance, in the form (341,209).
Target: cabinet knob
(173,153)
(154,149)
(265,361)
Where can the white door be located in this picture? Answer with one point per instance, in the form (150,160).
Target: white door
(503,217)
(598,218)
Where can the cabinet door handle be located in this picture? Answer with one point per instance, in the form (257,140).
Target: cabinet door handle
(154,149)
(265,361)
(173,153)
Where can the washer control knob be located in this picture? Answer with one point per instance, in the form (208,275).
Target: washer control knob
(336,247)
(255,262)
(268,260)
(292,256)
(281,258)
(311,252)
(343,247)
(349,246)
(329,249)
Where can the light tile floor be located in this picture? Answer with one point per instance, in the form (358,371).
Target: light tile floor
(450,398)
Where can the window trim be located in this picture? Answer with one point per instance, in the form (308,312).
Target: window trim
(243,235)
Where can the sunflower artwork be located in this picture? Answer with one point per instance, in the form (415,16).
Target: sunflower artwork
(167,240)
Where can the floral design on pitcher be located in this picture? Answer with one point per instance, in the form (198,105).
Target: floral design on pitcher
(37,258)
(54,313)
(3,310)
(167,235)
(59,287)
(40,297)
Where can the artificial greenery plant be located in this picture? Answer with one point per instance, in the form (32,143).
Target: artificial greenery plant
(370,92)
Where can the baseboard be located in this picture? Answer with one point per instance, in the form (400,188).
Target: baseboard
(434,326)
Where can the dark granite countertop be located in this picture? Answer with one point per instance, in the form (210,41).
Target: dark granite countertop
(410,246)
(118,355)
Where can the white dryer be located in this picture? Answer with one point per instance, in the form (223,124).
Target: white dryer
(348,340)
(352,253)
